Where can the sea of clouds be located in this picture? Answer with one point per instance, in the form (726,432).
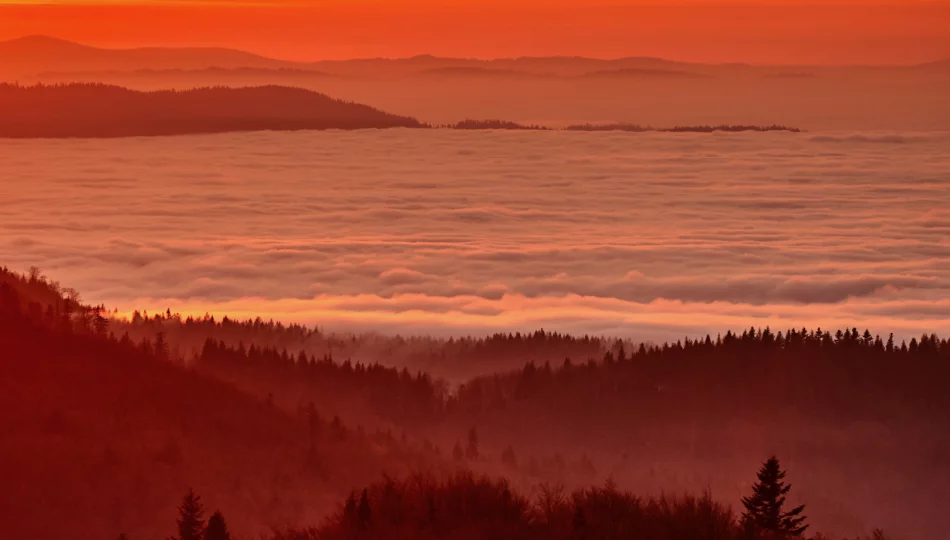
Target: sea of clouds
(651,236)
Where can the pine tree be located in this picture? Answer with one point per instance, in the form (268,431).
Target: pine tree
(764,508)
(508,457)
(338,429)
(349,510)
(471,451)
(217,529)
(190,522)
(161,346)
(99,323)
(313,425)
(579,522)
(364,512)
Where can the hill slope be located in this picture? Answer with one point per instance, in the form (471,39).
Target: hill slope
(32,54)
(95,110)
(102,436)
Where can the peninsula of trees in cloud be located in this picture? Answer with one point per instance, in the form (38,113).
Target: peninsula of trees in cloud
(95,110)
(103,111)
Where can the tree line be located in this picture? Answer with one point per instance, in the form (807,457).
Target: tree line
(677,415)
(101,431)
(465,505)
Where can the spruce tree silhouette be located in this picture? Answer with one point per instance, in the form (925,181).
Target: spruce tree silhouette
(190,522)
(509,458)
(764,508)
(471,451)
(161,346)
(99,322)
(217,529)
(364,512)
(9,301)
(579,523)
(313,426)
(349,510)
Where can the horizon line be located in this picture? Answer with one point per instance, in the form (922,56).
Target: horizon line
(466,58)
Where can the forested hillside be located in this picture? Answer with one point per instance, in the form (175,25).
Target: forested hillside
(275,434)
(98,110)
(103,435)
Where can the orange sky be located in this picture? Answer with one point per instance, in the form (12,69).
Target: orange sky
(755,31)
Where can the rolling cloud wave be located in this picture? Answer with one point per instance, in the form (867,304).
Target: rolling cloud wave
(648,235)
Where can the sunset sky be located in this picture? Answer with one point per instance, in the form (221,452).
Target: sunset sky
(754,31)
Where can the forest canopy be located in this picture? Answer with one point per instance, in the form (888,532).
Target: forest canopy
(102,410)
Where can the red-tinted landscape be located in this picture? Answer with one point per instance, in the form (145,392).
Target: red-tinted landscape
(549,90)
(500,270)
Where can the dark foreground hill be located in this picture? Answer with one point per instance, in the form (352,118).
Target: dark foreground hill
(103,435)
(106,433)
(96,110)
(470,507)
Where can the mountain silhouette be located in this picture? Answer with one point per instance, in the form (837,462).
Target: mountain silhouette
(212,76)
(642,73)
(560,90)
(938,66)
(481,72)
(97,110)
(34,54)
(26,58)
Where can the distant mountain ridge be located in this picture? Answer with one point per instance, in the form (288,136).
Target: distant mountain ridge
(28,56)
(640,73)
(25,58)
(555,91)
(33,54)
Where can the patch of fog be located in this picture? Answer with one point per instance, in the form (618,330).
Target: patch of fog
(445,233)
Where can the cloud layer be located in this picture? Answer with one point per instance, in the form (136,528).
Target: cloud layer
(645,235)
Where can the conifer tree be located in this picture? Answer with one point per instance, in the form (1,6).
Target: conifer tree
(349,510)
(161,346)
(217,529)
(764,508)
(471,451)
(579,521)
(99,323)
(190,521)
(313,425)
(364,512)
